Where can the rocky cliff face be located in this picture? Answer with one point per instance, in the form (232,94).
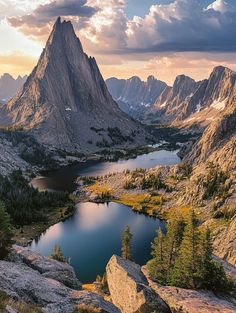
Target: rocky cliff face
(65,102)
(10,86)
(168,105)
(135,96)
(199,103)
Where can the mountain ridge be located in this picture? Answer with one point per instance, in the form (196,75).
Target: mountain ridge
(133,95)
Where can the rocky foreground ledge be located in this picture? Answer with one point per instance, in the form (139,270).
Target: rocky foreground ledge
(132,291)
(32,278)
(27,276)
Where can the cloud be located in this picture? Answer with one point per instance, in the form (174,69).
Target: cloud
(38,23)
(181,25)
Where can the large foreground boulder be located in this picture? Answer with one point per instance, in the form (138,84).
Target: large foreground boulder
(129,288)
(50,268)
(21,282)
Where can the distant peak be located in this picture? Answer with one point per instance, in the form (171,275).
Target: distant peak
(151,77)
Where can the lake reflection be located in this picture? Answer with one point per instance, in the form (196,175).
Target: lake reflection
(93,235)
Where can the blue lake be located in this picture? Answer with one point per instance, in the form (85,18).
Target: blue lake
(93,234)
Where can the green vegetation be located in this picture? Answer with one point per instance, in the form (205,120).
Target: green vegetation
(214,181)
(143,203)
(186,169)
(126,249)
(6,232)
(184,257)
(117,137)
(25,204)
(29,149)
(103,283)
(152,181)
(57,254)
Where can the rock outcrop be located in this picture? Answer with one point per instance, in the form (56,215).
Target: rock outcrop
(65,102)
(24,279)
(129,286)
(135,96)
(9,157)
(169,104)
(49,268)
(129,289)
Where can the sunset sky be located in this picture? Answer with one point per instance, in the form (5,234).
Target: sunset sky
(163,38)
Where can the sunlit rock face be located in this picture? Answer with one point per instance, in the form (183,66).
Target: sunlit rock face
(190,103)
(129,289)
(65,102)
(135,96)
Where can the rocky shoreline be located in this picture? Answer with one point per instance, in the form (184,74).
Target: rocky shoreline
(52,287)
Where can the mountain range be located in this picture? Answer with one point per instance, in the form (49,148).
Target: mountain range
(135,96)
(190,103)
(10,86)
(65,102)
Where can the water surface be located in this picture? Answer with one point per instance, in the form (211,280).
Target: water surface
(93,235)
(64,178)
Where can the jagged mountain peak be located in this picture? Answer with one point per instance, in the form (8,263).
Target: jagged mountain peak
(65,101)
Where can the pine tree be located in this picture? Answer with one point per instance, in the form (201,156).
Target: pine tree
(186,269)
(174,237)
(213,276)
(57,254)
(5,228)
(157,267)
(126,244)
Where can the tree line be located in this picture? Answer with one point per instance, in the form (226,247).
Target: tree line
(183,257)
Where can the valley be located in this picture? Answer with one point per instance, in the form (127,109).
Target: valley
(118,189)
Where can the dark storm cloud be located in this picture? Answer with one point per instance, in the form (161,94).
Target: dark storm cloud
(49,12)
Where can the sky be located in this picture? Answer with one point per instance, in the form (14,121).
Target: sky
(164,38)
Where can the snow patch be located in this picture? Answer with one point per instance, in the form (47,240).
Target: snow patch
(198,109)
(163,104)
(68,109)
(219,105)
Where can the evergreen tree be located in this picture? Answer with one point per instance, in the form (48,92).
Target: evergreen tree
(57,254)
(5,228)
(165,249)
(212,273)
(126,244)
(186,268)
(157,267)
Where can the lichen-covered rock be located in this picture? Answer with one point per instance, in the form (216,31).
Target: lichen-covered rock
(23,283)
(129,288)
(190,301)
(62,272)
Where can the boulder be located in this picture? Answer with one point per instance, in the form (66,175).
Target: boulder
(50,268)
(190,301)
(129,288)
(81,297)
(23,283)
